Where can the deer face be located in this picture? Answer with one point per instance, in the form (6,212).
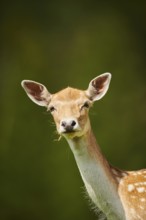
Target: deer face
(69,107)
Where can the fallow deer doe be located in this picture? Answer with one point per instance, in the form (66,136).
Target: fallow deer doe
(120,195)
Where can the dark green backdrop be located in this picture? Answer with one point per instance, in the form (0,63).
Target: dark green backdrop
(61,43)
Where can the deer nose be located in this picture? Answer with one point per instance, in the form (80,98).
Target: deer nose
(68,125)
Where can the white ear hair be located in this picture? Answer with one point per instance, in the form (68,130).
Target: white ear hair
(37,92)
(98,86)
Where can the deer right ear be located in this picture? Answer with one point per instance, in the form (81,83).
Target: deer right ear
(98,86)
(36,92)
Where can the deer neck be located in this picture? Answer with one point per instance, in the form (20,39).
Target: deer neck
(96,174)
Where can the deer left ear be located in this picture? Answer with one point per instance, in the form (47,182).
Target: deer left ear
(36,92)
(98,86)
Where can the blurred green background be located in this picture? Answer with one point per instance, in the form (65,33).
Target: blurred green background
(61,43)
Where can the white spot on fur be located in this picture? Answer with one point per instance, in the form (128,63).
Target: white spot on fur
(131,187)
(136,184)
(140,189)
(142,199)
(134,174)
(140,183)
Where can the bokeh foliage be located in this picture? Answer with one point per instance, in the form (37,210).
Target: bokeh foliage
(61,43)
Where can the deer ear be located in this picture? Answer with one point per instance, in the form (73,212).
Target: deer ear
(98,86)
(36,92)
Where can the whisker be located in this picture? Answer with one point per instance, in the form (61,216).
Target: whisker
(52,124)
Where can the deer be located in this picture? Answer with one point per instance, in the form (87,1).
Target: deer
(120,195)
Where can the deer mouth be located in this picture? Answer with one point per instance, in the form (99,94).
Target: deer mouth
(70,131)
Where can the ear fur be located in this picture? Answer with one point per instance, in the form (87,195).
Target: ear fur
(36,92)
(98,86)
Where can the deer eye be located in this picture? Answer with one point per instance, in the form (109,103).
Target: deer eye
(85,105)
(52,109)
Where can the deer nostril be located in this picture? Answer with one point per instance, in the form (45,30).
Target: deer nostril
(73,123)
(63,124)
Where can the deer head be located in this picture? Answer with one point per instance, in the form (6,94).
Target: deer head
(69,106)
